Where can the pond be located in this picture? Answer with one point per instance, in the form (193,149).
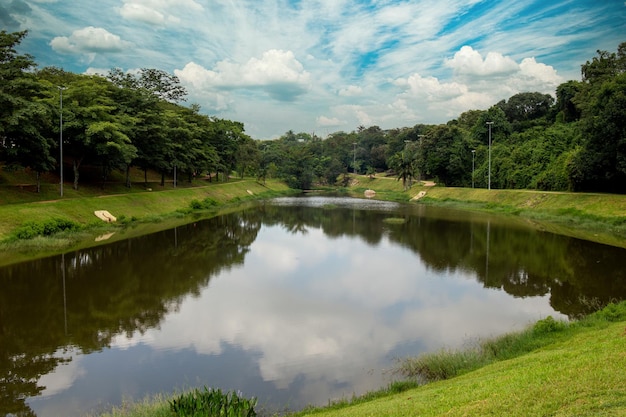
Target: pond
(296,301)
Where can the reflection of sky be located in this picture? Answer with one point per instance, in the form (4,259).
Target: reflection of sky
(304,320)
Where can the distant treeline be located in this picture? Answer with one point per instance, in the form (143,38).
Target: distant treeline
(121,120)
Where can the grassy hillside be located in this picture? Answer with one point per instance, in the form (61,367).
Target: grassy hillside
(139,210)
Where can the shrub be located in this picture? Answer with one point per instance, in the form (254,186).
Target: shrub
(205,204)
(30,230)
(212,403)
(613,312)
(548,325)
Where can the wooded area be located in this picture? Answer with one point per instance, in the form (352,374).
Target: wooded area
(575,142)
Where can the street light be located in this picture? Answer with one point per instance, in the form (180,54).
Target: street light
(473,159)
(419,168)
(61,136)
(489,181)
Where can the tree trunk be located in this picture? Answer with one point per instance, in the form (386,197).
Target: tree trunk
(145,177)
(75,166)
(162,179)
(127,175)
(38,182)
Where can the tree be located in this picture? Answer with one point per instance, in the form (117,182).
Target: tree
(523,108)
(403,164)
(162,84)
(566,101)
(25,128)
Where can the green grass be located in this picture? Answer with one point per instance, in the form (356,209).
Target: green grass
(138,213)
(552,368)
(583,376)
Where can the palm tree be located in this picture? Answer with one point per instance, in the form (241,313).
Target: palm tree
(405,166)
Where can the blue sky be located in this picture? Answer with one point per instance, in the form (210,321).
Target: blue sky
(322,66)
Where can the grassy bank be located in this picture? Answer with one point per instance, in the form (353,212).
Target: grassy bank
(596,217)
(590,216)
(138,212)
(552,368)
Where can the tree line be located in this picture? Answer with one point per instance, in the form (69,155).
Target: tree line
(112,122)
(576,141)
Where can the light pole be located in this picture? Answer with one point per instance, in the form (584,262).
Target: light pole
(473,159)
(61,136)
(419,168)
(489,180)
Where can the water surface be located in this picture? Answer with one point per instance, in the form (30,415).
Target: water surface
(296,301)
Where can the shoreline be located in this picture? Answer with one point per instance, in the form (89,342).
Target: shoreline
(600,218)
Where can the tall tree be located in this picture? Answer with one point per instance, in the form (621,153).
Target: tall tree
(24,118)
(601,164)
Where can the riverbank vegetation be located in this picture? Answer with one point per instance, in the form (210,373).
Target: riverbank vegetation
(551,368)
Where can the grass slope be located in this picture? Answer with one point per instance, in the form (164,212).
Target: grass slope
(582,376)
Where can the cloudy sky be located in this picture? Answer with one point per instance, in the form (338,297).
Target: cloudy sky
(322,66)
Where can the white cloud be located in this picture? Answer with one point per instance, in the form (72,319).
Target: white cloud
(468,61)
(430,87)
(134,11)
(277,72)
(329,121)
(159,12)
(97,71)
(538,76)
(89,40)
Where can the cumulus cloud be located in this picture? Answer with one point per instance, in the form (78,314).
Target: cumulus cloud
(277,72)
(430,87)
(468,61)
(477,83)
(538,76)
(89,40)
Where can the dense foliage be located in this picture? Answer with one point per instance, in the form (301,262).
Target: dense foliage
(573,141)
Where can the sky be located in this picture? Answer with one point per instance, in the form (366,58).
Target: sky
(324,66)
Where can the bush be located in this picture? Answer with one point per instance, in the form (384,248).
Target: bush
(613,312)
(212,403)
(205,204)
(48,227)
(548,325)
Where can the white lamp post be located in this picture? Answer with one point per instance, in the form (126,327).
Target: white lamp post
(473,159)
(489,181)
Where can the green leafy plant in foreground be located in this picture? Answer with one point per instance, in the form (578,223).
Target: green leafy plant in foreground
(212,403)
